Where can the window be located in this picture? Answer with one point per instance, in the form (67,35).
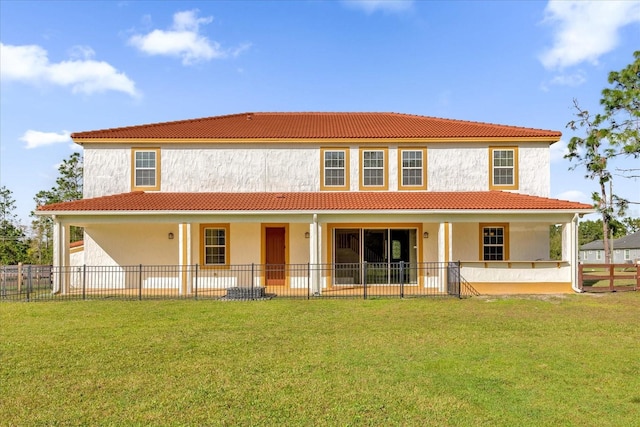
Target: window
(214,240)
(145,173)
(373,168)
(494,243)
(411,168)
(598,255)
(334,173)
(503,170)
(627,254)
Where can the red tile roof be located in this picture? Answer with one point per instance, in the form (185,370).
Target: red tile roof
(313,202)
(317,126)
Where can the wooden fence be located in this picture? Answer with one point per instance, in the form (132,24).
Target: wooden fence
(608,277)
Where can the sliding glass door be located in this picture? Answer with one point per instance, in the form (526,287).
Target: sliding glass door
(382,249)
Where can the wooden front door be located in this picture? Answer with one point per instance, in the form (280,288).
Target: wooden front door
(275,256)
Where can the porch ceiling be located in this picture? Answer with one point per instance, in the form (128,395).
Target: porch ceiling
(310,202)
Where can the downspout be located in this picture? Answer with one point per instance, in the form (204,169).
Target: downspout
(574,255)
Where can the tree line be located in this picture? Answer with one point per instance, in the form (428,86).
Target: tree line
(17,245)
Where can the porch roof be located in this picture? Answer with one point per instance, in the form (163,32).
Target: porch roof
(140,201)
(314,126)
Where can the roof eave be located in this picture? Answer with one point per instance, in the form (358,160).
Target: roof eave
(308,140)
(310,212)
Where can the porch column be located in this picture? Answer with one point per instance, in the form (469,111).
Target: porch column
(184,251)
(444,252)
(315,255)
(60,256)
(444,242)
(570,249)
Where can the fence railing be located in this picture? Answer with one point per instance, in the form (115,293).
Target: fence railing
(233,282)
(608,277)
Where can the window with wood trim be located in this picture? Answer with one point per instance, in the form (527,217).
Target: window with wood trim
(412,169)
(145,169)
(334,172)
(503,168)
(214,245)
(494,242)
(373,169)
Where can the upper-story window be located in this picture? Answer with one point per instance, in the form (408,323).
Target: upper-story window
(503,170)
(334,173)
(373,169)
(411,169)
(494,243)
(145,173)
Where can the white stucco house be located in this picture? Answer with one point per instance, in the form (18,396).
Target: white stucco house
(326,189)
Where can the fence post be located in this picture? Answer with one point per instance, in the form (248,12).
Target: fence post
(308,280)
(84,281)
(611,277)
(195,283)
(140,283)
(459,279)
(28,282)
(253,278)
(4,282)
(580,281)
(401,279)
(364,279)
(19,278)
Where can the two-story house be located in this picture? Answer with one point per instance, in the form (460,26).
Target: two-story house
(323,189)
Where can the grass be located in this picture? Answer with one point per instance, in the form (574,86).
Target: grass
(552,361)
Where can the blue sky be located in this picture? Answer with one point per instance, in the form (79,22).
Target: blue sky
(70,66)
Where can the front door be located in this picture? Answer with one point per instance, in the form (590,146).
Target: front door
(275,256)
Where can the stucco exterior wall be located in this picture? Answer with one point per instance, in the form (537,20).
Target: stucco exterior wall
(465,167)
(131,244)
(107,170)
(534,170)
(457,167)
(296,167)
(527,241)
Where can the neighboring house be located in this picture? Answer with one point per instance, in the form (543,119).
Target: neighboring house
(327,189)
(626,250)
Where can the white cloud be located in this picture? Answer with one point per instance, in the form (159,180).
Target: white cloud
(370,6)
(575,196)
(584,30)
(82,52)
(183,40)
(558,150)
(30,64)
(35,139)
(573,79)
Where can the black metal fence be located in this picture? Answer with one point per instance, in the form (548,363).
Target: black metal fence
(234,282)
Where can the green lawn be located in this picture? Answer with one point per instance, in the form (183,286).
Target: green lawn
(552,361)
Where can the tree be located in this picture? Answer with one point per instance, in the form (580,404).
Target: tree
(609,134)
(68,188)
(632,224)
(555,242)
(13,246)
(590,231)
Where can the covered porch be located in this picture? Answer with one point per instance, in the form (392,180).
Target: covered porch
(500,240)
